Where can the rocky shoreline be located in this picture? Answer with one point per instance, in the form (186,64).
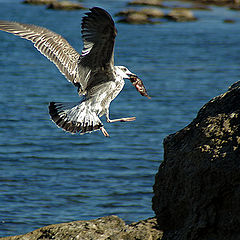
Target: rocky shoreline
(156,16)
(110,227)
(177,12)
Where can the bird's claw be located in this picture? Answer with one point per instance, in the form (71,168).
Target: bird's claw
(128,119)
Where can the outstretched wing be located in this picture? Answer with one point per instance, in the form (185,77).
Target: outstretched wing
(50,44)
(98,34)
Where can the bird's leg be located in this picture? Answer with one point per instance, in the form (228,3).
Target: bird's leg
(104,131)
(128,119)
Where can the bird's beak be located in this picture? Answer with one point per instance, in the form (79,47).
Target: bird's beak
(138,84)
(131,75)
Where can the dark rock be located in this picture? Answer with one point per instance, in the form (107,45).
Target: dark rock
(39,2)
(65,5)
(235,7)
(229,21)
(218,2)
(146,15)
(197,187)
(180,15)
(111,228)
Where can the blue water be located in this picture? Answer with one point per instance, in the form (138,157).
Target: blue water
(48,176)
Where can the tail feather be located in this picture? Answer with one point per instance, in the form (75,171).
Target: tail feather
(74,117)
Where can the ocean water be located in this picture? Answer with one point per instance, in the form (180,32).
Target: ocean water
(48,176)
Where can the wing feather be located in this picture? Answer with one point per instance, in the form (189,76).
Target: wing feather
(98,34)
(50,44)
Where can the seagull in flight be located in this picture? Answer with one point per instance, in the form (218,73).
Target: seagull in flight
(93,72)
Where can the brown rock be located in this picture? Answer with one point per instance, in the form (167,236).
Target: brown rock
(65,5)
(149,12)
(39,2)
(157,3)
(235,7)
(126,12)
(197,187)
(105,228)
(229,21)
(181,15)
(217,2)
(152,12)
(136,18)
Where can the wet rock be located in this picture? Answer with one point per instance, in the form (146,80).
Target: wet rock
(142,230)
(235,7)
(126,12)
(65,5)
(149,12)
(152,12)
(229,21)
(197,187)
(199,7)
(157,3)
(181,15)
(218,2)
(39,2)
(105,228)
(136,18)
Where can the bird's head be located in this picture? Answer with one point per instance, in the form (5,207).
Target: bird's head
(124,72)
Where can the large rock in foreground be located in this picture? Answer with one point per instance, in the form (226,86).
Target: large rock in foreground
(197,187)
(105,228)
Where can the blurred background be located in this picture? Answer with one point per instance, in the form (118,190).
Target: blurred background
(48,176)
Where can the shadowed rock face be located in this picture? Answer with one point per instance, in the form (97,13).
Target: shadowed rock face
(105,228)
(197,187)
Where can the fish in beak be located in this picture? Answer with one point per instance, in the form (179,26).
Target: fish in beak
(138,84)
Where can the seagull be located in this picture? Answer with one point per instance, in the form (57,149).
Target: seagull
(93,72)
